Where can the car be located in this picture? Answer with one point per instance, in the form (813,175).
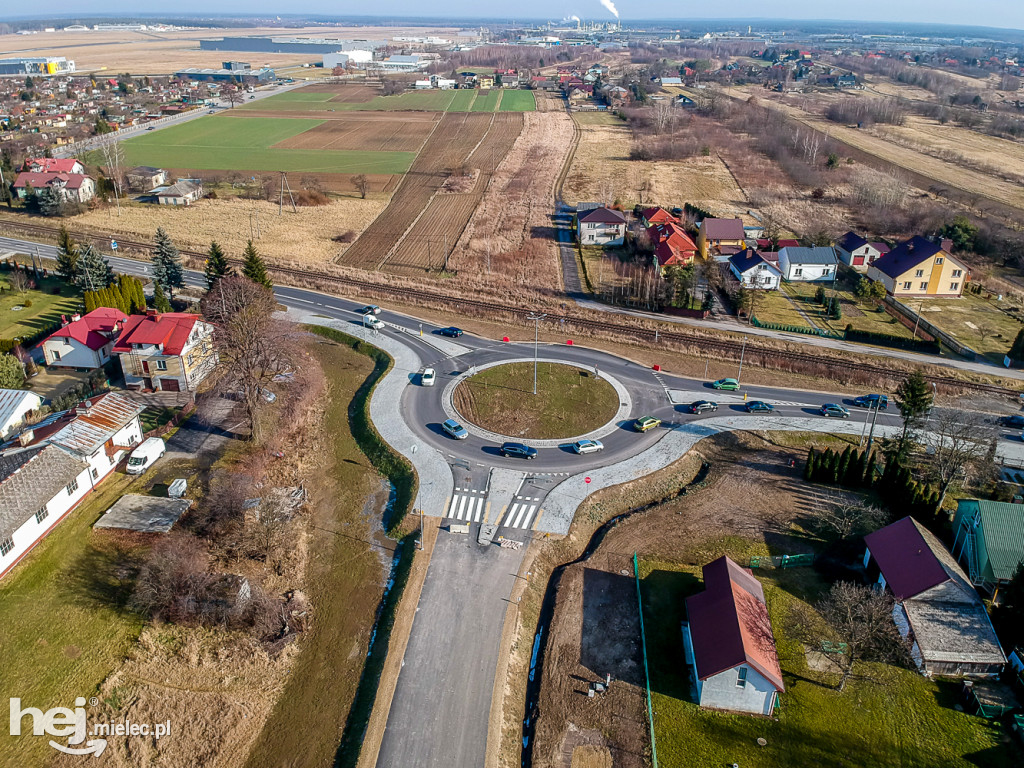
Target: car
(587,446)
(677,212)
(451,332)
(703,405)
(872,401)
(428,377)
(759,406)
(1017,421)
(519,450)
(151,128)
(456,430)
(730,384)
(370,309)
(832,409)
(251,98)
(645,423)
(372,321)
(145,456)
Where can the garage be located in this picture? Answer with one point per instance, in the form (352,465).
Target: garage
(170,385)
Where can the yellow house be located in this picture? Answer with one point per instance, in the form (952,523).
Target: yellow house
(920,267)
(486,82)
(715,234)
(171,352)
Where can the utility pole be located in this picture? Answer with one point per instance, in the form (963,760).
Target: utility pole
(536,336)
(743,351)
(871,434)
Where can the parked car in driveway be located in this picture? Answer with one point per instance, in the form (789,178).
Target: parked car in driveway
(587,446)
(428,377)
(645,423)
(832,409)
(874,401)
(759,406)
(451,332)
(730,384)
(703,405)
(518,450)
(453,428)
(1016,421)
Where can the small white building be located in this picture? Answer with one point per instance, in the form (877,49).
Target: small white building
(182,192)
(802,264)
(856,252)
(85,342)
(754,271)
(728,642)
(601,226)
(15,405)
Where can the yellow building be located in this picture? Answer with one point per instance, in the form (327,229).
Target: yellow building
(171,352)
(486,82)
(714,235)
(919,267)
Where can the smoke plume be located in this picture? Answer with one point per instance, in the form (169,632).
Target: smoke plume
(611,7)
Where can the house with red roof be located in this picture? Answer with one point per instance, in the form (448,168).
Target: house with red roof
(673,247)
(172,352)
(76,187)
(86,342)
(936,610)
(729,644)
(53,165)
(656,215)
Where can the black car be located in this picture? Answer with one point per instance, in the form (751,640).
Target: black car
(519,450)
(1016,421)
(872,401)
(703,405)
(451,332)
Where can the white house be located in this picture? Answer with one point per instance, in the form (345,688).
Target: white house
(86,342)
(728,642)
(15,404)
(854,251)
(182,192)
(601,226)
(800,264)
(74,187)
(39,485)
(754,271)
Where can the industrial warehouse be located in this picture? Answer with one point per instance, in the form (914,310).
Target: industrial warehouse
(50,65)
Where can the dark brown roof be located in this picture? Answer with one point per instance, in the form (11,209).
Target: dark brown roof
(729,624)
(905,558)
(907,255)
(604,216)
(723,229)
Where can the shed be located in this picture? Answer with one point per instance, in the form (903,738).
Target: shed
(989,541)
(147,514)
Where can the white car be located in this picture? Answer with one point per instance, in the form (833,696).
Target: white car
(428,377)
(587,446)
(372,321)
(145,456)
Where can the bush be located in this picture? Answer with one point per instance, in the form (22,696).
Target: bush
(27,303)
(310,197)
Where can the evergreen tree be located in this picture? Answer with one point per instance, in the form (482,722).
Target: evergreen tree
(12,372)
(67,256)
(216,265)
(844,465)
(94,272)
(90,301)
(809,467)
(160,300)
(50,203)
(167,269)
(1017,350)
(254,268)
(914,399)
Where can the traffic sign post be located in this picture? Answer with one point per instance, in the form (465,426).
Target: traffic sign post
(113,245)
(586,480)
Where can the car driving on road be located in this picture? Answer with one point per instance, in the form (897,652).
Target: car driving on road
(587,446)
(518,450)
(872,401)
(730,384)
(428,377)
(759,406)
(370,309)
(451,332)
(831,409)
(1016,421)
(645,423)
(456,430)
(703,405)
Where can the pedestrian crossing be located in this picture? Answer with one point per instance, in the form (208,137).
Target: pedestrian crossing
(467,505)
(521,513)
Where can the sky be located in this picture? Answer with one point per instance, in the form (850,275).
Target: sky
(995,13)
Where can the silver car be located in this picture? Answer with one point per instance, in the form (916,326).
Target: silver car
(587,446)
(456,430)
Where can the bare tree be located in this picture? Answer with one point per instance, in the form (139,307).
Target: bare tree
(253,345)
(862,619)
(843,518)
(19,281)
(267,529)
(113,158)
(232,95)
(663,117)
(958,441)
(362,184)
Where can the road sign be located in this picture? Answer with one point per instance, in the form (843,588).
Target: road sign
(586,480)
(113,245)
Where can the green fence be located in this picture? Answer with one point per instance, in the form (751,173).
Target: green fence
(781,561)
(796,329)
(647,674)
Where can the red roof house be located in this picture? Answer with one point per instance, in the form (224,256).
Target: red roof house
(729,643)
(656,215)
(171,352)
(53,165)
(672,246)
(85,342)
(70,186)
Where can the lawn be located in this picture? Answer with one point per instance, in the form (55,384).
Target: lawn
(463,101)
(774,307)
(230,143)
(898,718)
(597,118)
(156,416)
(972,320)
(45,311)
(861,315)
(64,625)
(487,101)
(569,401)
(429,100)
(518,101)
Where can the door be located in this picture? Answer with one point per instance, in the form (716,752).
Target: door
(169,385)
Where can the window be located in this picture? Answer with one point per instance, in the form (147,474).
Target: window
(919,273)
(954,286)
(906,286)
(42,514)
(95,473)
(56,356)
(111,458)
(190,358)
(161,365)
(957,272)
(741,678)
(6,546)
(924,285)
(939,260)
(798,271)
(72,487)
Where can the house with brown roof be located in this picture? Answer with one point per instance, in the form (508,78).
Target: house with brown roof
(75,187)
(936,610)
(172,352)
(85,342)
(714,235)
(601,226)
(729,644)
(920,267)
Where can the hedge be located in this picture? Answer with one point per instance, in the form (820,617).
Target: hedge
(897,342)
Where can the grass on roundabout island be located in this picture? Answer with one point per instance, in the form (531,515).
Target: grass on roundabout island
(570,401)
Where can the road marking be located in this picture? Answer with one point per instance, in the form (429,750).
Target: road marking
(464,506)
(519,515)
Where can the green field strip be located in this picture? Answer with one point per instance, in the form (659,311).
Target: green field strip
(518,101)
(463,101)
(486,103)
(223,131)
(291,160)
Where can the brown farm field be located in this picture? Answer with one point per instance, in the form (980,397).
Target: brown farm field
(367,132)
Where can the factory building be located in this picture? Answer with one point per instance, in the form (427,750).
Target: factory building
(342,59)
(231,72)
(304,45)
(51,65)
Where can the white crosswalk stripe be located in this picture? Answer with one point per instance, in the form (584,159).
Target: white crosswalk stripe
(466,507)
(520,514)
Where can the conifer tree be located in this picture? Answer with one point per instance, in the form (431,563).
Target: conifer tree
(809,467)
(167,270)
(94,272)
(90,301)
(160,301)
(1016,352)
(67,256)
(216,265)
(254,268)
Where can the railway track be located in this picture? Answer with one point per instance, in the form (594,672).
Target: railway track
(708,346)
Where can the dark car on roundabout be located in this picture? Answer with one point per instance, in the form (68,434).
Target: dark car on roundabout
(518,450)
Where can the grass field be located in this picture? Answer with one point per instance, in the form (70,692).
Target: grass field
(463,101)
(895,718)
(487,101)
(518,101)
(227,143)
(569,401)
(861,315)
(974,321)
(46,307)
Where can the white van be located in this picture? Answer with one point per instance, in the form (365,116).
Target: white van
(372,321)
(145,455)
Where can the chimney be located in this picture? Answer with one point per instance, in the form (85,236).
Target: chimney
(151,313)
(26,437)
(75,317)
(946,244)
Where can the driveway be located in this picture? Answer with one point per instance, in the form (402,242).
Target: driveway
(206,433)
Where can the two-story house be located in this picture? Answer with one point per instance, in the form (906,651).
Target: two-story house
(85,342)
(74,187)
(601,226)
(721,236)
(920,267)
(172,352)
(754,271)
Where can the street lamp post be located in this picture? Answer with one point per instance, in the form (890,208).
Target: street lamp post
(536,337)
(743,351)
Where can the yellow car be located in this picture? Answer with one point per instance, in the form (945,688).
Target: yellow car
(645,423)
